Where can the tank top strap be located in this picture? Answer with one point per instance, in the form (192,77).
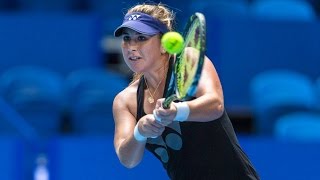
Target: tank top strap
(140,98)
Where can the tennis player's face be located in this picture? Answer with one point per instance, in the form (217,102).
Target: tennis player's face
(140,51)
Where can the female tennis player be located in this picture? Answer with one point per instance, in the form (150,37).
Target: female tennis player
(194,139)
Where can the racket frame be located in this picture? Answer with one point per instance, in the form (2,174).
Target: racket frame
(192,89)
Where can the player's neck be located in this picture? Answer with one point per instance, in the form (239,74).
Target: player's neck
(156,76)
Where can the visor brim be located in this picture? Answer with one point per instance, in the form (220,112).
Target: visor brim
(136,26)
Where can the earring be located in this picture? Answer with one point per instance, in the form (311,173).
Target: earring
(163,51)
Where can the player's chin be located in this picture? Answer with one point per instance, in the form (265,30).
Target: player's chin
(135,67)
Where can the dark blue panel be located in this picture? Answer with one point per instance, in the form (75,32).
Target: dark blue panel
(282,160)
(95,158)
(11,164)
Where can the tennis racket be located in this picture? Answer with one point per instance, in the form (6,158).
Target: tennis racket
(188,63)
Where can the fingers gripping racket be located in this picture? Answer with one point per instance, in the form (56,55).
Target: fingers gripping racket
(188,64)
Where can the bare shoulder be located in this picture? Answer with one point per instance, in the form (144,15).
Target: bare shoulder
(209,81)
(193,53)
(126,99)
(208,64)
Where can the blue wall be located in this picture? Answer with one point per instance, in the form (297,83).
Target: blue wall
(242,47)
(61,42)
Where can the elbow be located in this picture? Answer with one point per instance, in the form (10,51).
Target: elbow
(219,110)
(218,107)
(128,164)
(128,161)
(128,158)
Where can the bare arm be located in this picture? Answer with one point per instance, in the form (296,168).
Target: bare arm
(128,149)
(209,102)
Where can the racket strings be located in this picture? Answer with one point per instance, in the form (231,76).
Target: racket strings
(188,60)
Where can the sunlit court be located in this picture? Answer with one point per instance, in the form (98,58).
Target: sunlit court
(68,110)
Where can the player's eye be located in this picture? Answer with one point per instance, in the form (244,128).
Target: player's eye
(142,38)
(126,38)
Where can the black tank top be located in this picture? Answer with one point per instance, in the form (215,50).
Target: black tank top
(198,150)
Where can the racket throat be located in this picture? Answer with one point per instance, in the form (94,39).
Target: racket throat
(168,100)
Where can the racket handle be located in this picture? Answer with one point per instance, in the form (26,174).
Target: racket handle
(166,103)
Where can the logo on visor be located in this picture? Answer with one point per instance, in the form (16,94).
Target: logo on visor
(134,17)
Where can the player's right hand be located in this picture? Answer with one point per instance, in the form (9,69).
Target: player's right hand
(150,127)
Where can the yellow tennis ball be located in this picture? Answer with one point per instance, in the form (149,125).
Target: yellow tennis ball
(172,42)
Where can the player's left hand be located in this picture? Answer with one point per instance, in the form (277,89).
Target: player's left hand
(165,116)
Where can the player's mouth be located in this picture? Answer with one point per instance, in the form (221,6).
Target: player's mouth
(134,58)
